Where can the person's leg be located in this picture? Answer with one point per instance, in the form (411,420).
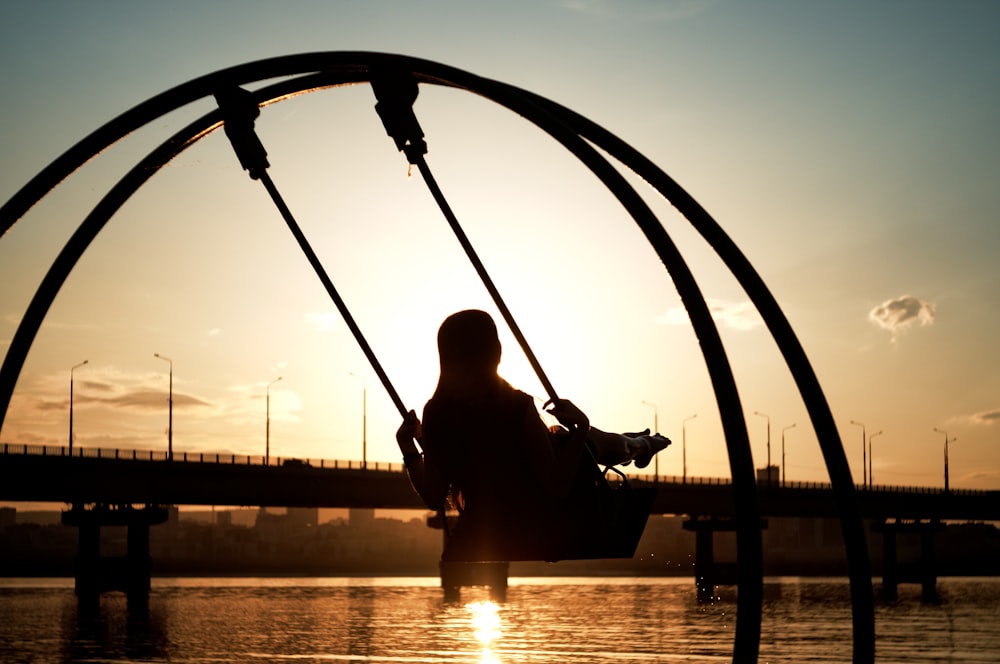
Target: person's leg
(613,449)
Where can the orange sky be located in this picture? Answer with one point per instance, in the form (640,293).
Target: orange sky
(850,152)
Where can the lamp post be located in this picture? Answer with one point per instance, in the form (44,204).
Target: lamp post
(656,429)
(864,453)
(684,448)
(790,426)
(364,419)
(267,435)
(74,368)
(768,470)
(871,455)
(170,408)
(946,441)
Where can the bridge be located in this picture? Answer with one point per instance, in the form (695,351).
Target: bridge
(124,478)
(34,473)
(30,473)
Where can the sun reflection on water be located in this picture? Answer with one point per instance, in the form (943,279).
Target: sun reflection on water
(486,624)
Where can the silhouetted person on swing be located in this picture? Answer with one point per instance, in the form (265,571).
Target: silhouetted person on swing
(512,478)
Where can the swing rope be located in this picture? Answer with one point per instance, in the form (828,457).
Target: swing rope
(395,93)
(239,111)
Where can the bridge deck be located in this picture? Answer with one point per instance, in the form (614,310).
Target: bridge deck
(40,474)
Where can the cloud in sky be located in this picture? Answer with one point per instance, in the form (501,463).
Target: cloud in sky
(899,314)
(987,417)
(740,316)
(145,400)
(114,388)
(132,398)
(323,321)
(96,386)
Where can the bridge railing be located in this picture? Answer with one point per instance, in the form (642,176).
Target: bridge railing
(194,457)
(877,489)
(256,460)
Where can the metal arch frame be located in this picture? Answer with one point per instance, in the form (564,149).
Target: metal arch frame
(805,378)
(315,71)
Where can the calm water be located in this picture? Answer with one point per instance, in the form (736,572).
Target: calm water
(542,620)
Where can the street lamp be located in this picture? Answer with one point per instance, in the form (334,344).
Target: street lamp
(864,452)
(871,455)
(74,368)
(267,443)
(684,447)
(656,429)
(170,408)
(364,419)
(946,441)
(790,426)
(768,471)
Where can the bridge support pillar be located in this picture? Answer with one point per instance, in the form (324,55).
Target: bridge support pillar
(129,573)
(922,571)
(707,572)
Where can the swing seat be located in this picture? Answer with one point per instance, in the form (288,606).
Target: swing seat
(596,521)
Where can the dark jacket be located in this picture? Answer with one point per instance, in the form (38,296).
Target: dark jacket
(479,444)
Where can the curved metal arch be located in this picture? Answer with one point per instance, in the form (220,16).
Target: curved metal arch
(339,68)
(852,527)
(750,573)
(748,628)
(96,220)
(787,342)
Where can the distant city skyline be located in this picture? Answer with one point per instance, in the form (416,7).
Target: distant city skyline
(248,542)
(850,150)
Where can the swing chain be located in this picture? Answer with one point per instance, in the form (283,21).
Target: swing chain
(239,110)
(395,92)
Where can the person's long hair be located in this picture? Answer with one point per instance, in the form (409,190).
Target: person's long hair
(469,352)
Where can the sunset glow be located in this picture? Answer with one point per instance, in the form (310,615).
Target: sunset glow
(849,150)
